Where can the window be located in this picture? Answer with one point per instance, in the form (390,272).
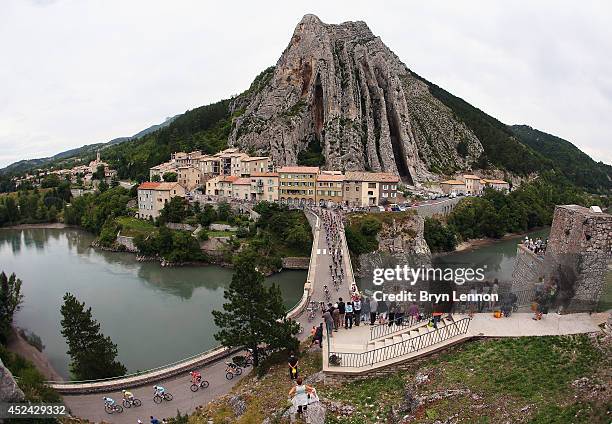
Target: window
(385,187)
(385,194)
(371,185)
(370,193)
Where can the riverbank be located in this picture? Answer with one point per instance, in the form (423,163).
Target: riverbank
(482,242)
(17,344)
(44,225)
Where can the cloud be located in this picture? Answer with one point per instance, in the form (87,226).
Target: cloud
(87,71)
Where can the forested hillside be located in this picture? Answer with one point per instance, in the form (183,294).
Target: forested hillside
(576,165)
(501,147)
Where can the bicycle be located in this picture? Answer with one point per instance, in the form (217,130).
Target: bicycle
(133,401)
(231,370)
(111,409)
(158,398)
(311,314)
(196,386)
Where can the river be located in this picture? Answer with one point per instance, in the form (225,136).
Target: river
(155,315)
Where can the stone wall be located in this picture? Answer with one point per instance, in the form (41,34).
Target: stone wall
(179,226)
(442,207)
(127,242)
(222,227)
(293,262)
(578,254)
(583,240)
(527,269)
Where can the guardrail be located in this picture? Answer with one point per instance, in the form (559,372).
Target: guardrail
(413,344)
(397,325)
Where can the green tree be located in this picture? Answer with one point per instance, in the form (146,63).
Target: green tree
(10,302)
(176,210)
(224,211)
(170,177)
(92,354)
(253,313)
(99,173)
(439,237)
(156,178)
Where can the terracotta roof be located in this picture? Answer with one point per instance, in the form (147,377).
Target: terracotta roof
(242,181)
(148,186)
(453,182)
(229,178)
(471,177)
(330,177)
(494,181)
(264,174)
(380,177)
(167,186)
(250,158)
(300,169)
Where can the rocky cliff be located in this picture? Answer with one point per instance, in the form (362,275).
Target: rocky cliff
(9,391)
(340,87)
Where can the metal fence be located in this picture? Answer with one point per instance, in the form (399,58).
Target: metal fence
(396,325)
(413,344)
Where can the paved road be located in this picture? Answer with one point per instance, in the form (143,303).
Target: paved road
(91,406)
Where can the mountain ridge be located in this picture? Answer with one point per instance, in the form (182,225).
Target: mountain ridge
(338,97)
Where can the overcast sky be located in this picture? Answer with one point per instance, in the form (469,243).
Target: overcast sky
(75,72)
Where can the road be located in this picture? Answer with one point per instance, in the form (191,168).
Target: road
(91,406)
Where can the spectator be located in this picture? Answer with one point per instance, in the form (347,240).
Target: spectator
(342,309)
(293,365)
(357,310)
(301,392)
(318,336)
(348,316)
(329,322)
(373,310)
(336,316)
(413,311)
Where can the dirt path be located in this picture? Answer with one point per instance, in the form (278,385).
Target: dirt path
(19,345)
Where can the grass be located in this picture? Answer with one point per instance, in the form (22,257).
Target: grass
(605,302)
(506,375)
(264,396)
(131,227)
(220,233)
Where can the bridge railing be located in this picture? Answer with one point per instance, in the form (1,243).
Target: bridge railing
(413,344)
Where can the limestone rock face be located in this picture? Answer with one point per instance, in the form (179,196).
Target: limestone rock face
(340,86)
(9,391)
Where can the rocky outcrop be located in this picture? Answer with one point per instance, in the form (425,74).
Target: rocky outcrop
(401,241)
(9,391)
(340,86)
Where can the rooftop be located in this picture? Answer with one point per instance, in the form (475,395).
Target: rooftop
(494,181)
(148,186)
(330,177)
(300,169)
(242,181)
(471,177)
(453,182)
(380,177)
(264,174)
(251,158)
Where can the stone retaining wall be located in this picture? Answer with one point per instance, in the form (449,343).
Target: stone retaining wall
(527,269)
(179,226)
(294,262)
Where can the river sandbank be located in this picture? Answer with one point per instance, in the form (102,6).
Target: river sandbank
(481,242)
(17,344)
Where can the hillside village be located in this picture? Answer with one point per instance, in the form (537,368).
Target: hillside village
(234,175)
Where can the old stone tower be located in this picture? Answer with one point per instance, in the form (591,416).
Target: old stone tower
(577,258)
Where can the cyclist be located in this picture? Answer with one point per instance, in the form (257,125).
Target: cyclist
(196,377)
(159,390)
(127,395)
(108,401)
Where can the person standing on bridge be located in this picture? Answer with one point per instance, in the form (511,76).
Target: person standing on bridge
(373,310)
(154,420)
(342,309)
(329,322)
(348,320)
(357,310)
